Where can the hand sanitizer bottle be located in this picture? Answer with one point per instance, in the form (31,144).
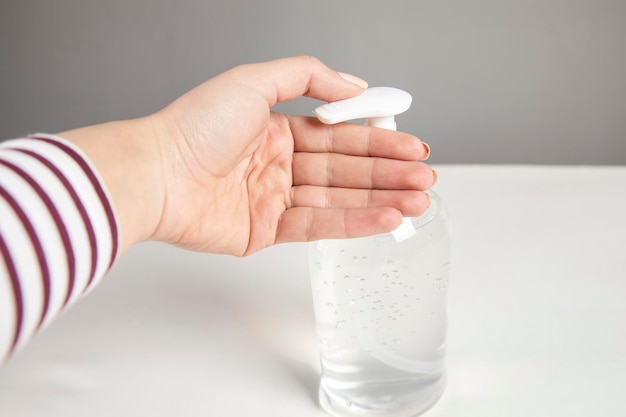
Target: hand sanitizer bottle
(380,302)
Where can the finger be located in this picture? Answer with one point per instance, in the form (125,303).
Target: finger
(311,135)
(410,203)
(289,78)
(337,170)
(303,224)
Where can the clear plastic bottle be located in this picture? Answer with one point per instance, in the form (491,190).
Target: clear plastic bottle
(381,311)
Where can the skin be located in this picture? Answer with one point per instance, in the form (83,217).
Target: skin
(217,171)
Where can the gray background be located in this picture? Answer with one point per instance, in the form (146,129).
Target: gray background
(494,81)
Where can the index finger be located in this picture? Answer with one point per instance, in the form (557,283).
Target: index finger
(311,135)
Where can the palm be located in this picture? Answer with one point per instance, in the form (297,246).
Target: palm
(268,182)
(244,183)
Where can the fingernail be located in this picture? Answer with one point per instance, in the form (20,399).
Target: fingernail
(428,197)
(427,151)
(435,177)
(353,79)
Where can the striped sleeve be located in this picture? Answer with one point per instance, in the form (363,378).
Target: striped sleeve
(58,234)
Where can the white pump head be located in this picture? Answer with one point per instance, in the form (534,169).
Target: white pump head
(378,105)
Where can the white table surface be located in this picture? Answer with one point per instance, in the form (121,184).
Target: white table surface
(537,316)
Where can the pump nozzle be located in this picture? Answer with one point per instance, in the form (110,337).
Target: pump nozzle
(378,105)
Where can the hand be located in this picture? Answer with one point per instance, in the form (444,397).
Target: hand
(222,173)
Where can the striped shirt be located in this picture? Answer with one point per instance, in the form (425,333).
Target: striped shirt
(58,234)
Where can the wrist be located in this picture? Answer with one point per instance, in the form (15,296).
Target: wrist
(126,156)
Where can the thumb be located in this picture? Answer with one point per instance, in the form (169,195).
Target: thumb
(288,78)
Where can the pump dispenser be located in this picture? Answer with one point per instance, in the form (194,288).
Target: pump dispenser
(381,302)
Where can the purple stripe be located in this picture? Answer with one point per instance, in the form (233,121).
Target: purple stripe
(34,240)
(79,206)
(106,205)
(67,244)
(17,292)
